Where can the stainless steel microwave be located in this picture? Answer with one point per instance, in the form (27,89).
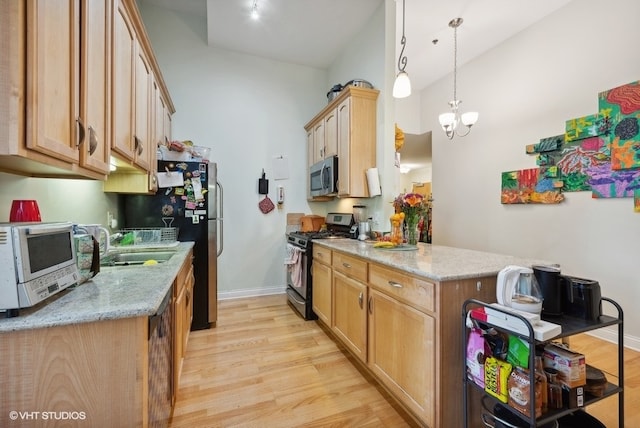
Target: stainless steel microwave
(323,177)
(37,260)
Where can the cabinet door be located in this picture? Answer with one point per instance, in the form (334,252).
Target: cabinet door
(318,141)
(331,134)
(178,331)
(124,48)
(344,145)
(142,140)
(188,311)
(167,124)
(350,313)
(95,89)
(53,72)
(401,352)
(321,292)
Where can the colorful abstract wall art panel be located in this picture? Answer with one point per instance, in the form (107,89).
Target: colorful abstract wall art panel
(587,126)
(598,153)
(547,144)
(622,105)
(574,160)
(531,186)
(607,183)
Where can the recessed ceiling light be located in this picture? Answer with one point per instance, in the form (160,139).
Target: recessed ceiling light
(254,10)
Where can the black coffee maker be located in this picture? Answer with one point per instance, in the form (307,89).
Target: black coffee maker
(553,289)
(568,295)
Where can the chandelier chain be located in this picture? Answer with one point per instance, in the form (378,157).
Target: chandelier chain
(455,62)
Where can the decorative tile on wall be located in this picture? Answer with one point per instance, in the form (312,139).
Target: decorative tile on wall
(587,126)
(607,183)
(622,105)
(574,160)
(531,186)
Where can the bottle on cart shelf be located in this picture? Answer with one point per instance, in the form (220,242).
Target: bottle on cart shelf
(554,388)
(542,378)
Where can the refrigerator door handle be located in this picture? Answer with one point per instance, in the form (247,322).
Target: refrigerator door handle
(221,217)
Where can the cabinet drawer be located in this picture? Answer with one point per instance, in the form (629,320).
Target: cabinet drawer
(414,291)
(351,266)
(322,254)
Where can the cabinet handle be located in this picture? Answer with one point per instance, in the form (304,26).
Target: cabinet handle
(80,132)
(137,145)
(347,265)
(370,304)
(360,300)
(93,141)
(395,284)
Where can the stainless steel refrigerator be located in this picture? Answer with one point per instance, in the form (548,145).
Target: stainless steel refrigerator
(195,208)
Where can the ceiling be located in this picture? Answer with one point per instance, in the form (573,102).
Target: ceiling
(313,32)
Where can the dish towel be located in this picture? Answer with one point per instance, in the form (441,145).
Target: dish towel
(293,260)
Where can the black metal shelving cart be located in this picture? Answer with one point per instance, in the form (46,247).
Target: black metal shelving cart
(570,326)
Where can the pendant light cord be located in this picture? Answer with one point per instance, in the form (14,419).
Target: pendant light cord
(402,60)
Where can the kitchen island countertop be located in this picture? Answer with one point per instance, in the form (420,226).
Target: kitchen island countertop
(116,292)
(434,262)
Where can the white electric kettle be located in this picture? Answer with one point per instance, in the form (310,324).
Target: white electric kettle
(518,288)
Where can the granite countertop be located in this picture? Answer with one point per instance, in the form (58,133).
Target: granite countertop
(434,262)
(116,292)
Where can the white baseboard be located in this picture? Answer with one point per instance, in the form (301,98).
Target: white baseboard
(228,295)
(611,335)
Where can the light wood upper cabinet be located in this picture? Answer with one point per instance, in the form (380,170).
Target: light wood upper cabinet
(141,109)
(95,84)
(330,134)
(356,141)
(124,51)
(346,128)
(55,77)
(142,136)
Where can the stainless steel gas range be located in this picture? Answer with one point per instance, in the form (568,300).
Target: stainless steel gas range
(299,248)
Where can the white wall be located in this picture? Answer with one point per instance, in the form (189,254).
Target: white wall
(370,56)
(79,201)
(525,89)
(248,110)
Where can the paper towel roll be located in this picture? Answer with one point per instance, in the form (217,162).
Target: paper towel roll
(373,179)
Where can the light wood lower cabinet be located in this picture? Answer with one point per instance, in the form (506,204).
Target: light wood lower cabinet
(401,352)
(350,313)
(322,289)
(183,314)
(98,368)
(405,329)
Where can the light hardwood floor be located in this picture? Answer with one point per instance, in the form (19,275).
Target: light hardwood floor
(264,366)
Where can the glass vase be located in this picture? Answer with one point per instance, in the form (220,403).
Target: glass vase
(397,237)
(413,231)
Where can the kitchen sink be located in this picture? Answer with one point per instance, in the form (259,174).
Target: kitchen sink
(129,258)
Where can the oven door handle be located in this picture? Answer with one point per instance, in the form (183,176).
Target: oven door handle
(294,297)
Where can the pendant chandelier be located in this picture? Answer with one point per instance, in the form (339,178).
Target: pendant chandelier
(402,85)
(451,121)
